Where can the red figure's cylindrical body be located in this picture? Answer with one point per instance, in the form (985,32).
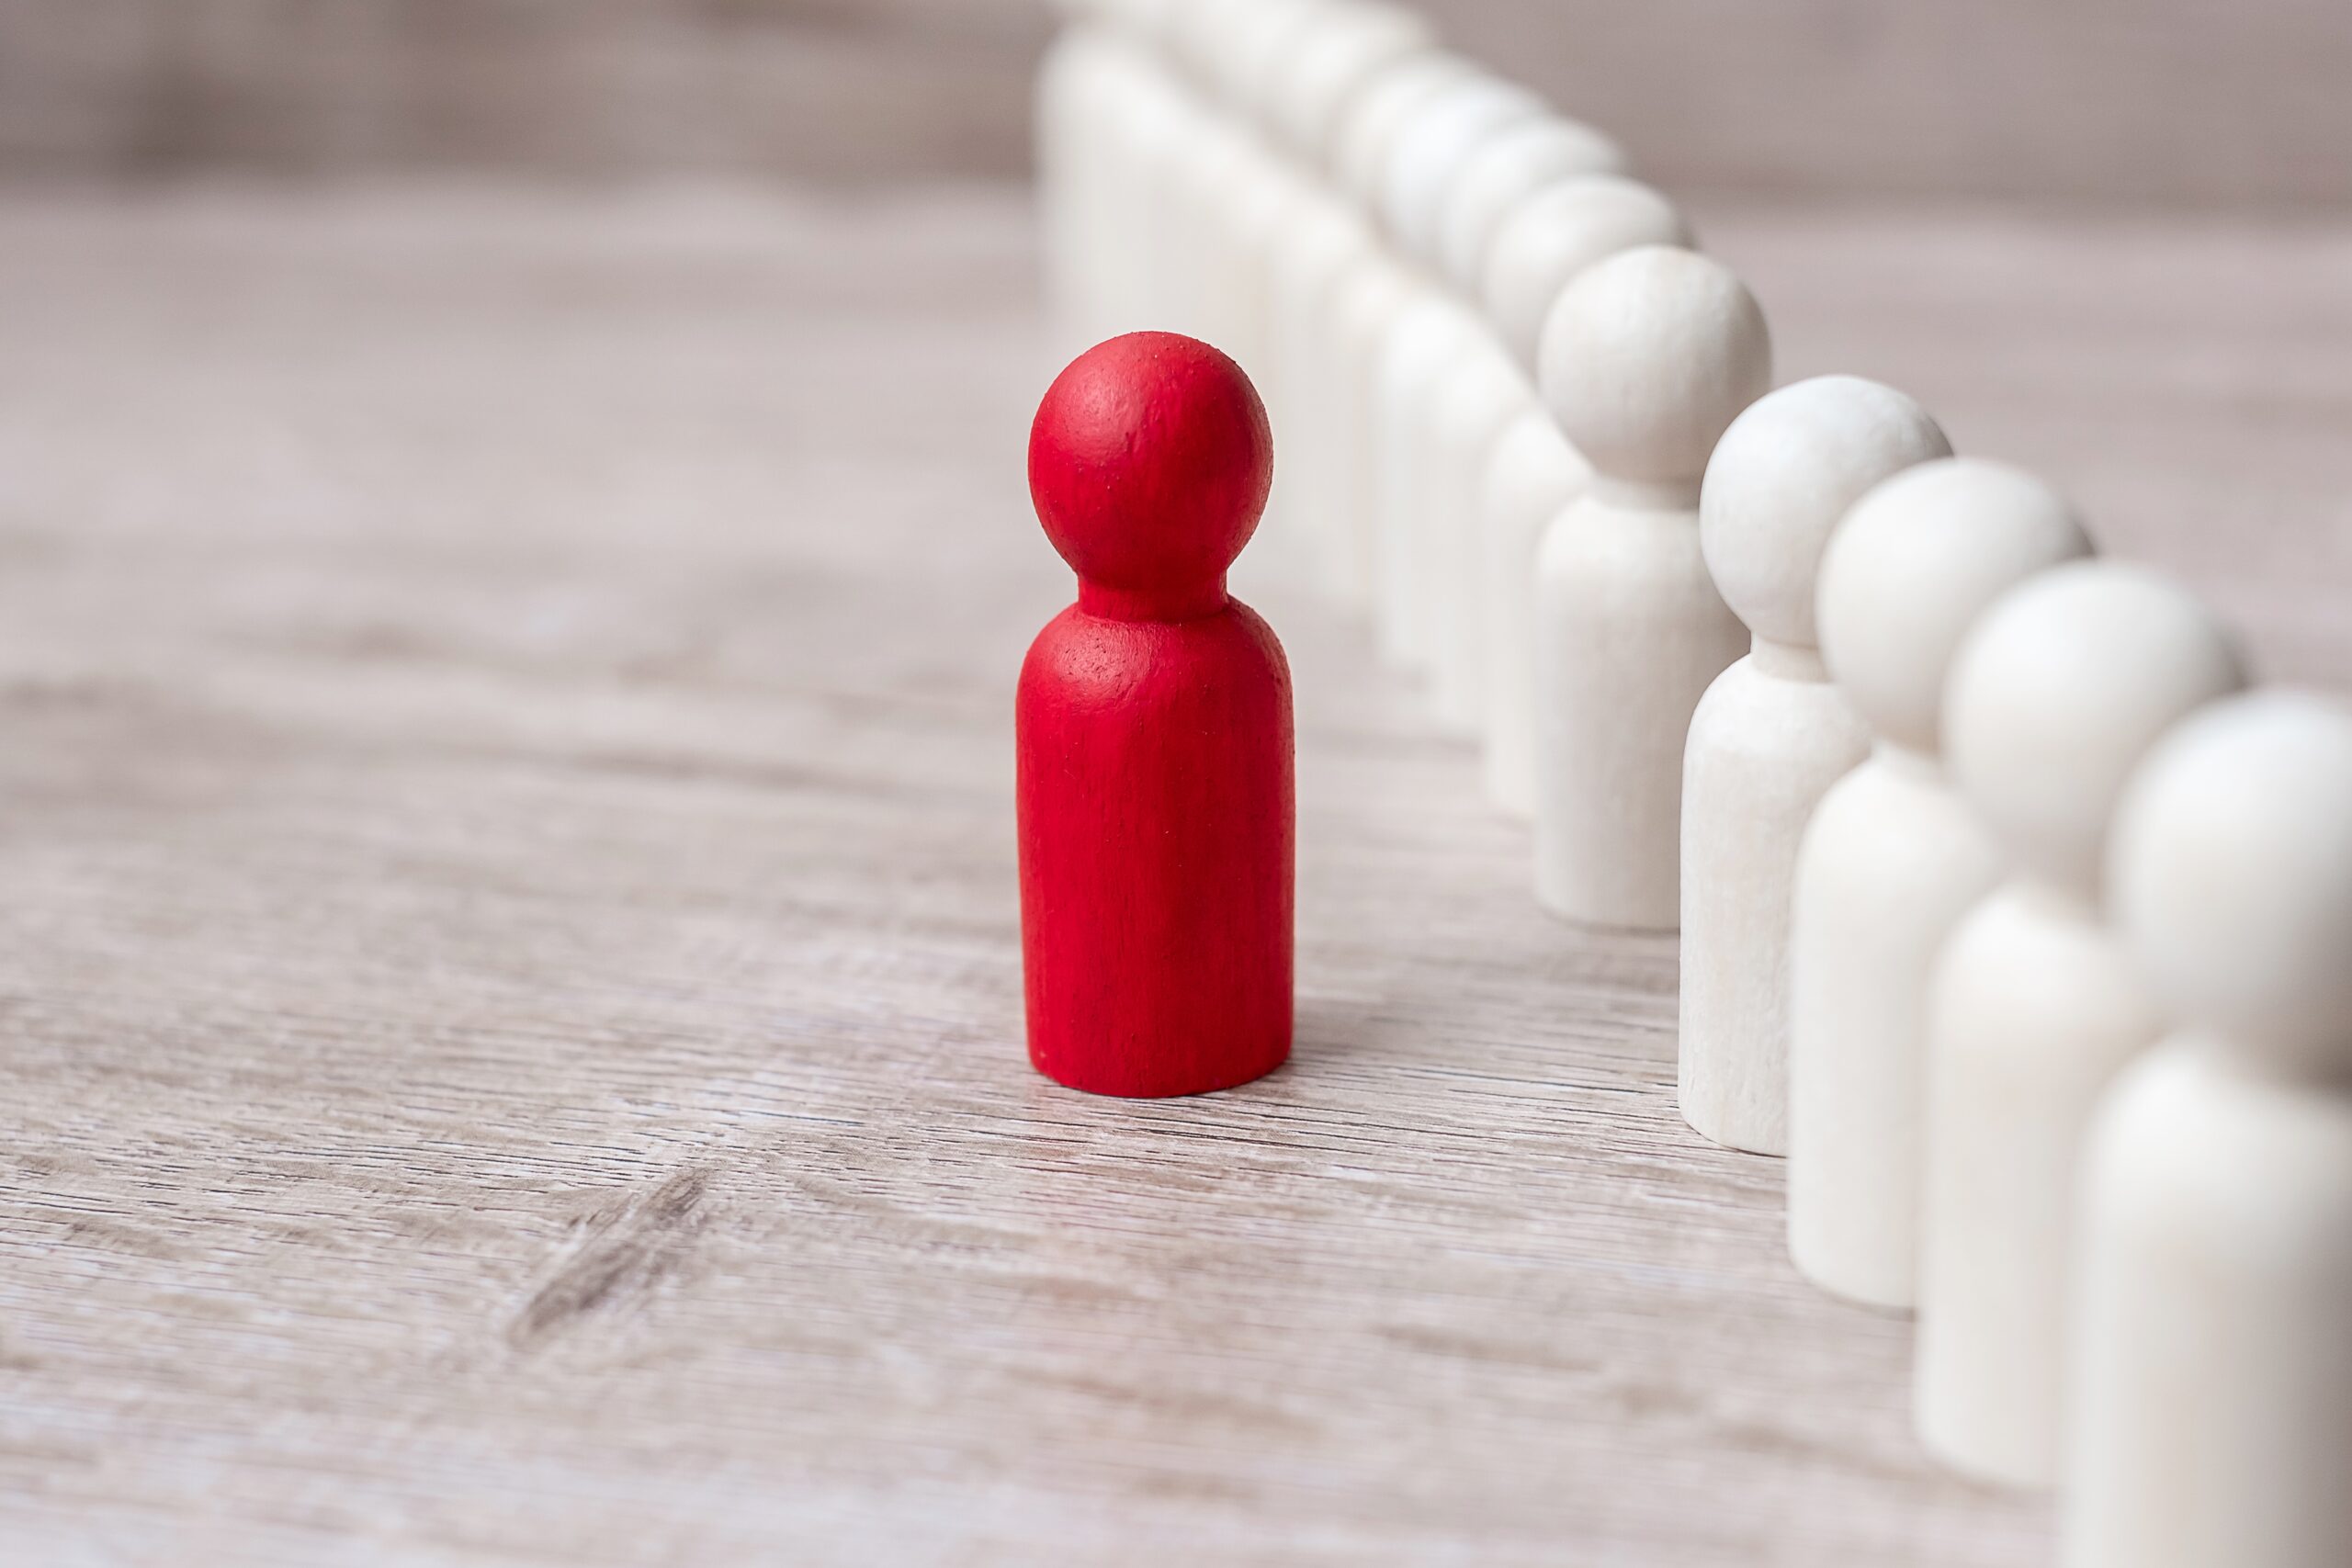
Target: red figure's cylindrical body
(1156,852)
(1154,736)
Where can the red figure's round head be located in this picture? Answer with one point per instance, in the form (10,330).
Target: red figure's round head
(1149,461)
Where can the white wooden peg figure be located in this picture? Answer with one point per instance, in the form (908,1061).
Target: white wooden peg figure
(1647,358)
(2057,694)
(1235,187)
(1350,317)
(1424,166)
(1375,112)
(1244,202)
(1065,117)
(1096,78)
(1350,47)
(1151,117)
(1508,169)
(1479,391)
(1893,857)
(1316,248)
(1772,734)
(2211,1421)
(1532,472)
(1430,148)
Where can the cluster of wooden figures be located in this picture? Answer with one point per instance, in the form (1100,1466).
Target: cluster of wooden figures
(2009,914)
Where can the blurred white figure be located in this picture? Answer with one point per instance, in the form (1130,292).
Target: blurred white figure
(1236,186)
(2057,694)
(2212,1383)
(1352,319)
(1150,117)
(1893,857)
(1532,472)
(1257,192)
(1409,343)
(1081,63)
(1101,101)
(1310,253)
(1478,389)
(1231,179)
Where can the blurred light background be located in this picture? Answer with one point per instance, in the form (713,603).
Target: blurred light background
(2139,102)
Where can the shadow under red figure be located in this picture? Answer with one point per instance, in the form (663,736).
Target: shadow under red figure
(1156,814)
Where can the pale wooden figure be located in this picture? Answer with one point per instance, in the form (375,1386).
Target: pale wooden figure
(1274,58)
(1647,358)
(1152,117)
(1893,857)
(2056,696)
(1352,317)
(1145,116)
(1323,248)
(1249,66)
(1513,167)
(1227,175)
(1244,190)
(1313,251)
(1377,113)
(1772,734)
(1350,48)
(1199,180)
(1100,99)
(1215,44)
(1068,105)
(2211,1384)
(1474,395)
(1532,472)
(1414,346)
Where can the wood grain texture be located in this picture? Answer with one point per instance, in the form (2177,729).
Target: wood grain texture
(509,982)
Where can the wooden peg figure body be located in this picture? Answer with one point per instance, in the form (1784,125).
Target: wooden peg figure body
(2210,1379)
(1418,169)
(1154,736)
(1532,471)
(2062,687)
(1771,734)
(1481,390)
(1893,857)
(1647,358)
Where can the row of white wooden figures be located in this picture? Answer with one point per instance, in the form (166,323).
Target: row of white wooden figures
(1956,821)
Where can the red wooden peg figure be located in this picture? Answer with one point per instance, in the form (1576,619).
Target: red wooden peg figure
(1154,722)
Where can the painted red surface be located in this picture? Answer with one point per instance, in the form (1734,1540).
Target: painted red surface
(1154,722)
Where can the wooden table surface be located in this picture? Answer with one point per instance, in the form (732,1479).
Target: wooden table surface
(509,992)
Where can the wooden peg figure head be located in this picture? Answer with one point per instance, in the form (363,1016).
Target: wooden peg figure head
(1783,477)
(1545,240)
(2231,875)
(1376,116)
(1425,161)
(1150,463)
(1508,169)
(1647,358)
(1910,568)
(1350,48)
(2058,692)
